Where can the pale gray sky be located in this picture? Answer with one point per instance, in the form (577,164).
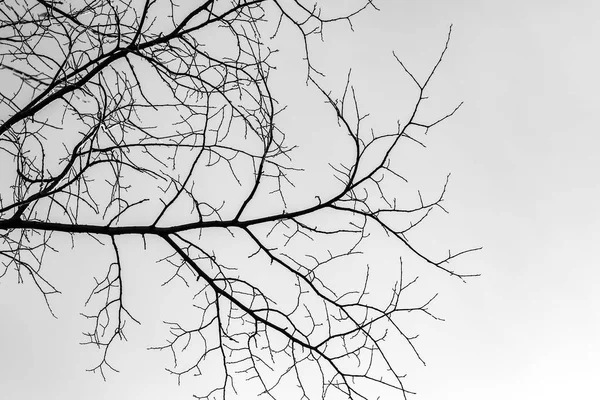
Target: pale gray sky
(523,156)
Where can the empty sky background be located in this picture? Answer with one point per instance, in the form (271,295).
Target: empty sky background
(523,153)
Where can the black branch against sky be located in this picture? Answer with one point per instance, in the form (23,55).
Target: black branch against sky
(128,118)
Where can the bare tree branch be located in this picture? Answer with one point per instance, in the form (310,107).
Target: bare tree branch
(161,119)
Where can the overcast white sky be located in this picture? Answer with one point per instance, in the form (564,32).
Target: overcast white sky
(523,153)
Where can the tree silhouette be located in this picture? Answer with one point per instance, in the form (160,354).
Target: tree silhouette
(159,120)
